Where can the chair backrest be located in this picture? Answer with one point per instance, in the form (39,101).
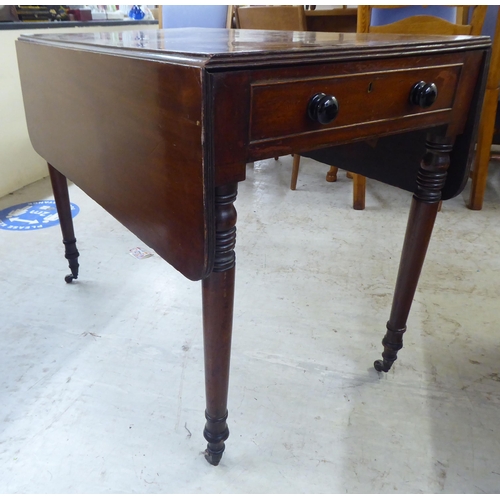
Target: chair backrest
(279,17)
(193,16)
(337,20)
(418,20)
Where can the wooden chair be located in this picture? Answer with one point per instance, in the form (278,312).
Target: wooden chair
(282,18)
(296,18)
(416,20)
(487,123)
(420,24)
(436,21)
(279,17)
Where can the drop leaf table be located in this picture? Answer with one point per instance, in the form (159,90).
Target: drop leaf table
(157,127)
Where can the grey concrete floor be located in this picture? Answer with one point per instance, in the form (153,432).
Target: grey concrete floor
(101,381)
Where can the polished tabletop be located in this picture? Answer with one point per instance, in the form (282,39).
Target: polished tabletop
(219,46)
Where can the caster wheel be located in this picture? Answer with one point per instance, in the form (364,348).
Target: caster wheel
(380,367)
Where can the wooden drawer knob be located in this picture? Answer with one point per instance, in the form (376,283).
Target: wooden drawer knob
(322,108)
(423,94)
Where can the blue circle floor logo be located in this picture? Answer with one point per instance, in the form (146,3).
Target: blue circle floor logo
(32,215)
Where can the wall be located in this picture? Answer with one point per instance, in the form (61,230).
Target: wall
(19,164)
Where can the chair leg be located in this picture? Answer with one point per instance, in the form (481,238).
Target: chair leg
(358,191)
(295,171)
(331,175)
(484,139)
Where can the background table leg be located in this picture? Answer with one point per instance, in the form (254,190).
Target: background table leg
(61,196)
(425,203)
(218,297)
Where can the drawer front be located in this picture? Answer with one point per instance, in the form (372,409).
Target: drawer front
(279,108)
(262,113)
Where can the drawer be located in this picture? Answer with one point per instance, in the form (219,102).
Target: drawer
(278,108)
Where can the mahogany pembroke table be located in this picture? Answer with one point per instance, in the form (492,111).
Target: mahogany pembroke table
(157,127)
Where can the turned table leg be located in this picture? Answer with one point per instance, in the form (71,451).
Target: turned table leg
(425,203)
(61,196)
(218,296)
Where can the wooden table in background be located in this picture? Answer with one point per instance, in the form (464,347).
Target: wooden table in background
(157,127)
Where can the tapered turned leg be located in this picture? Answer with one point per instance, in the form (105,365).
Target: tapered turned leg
(61,196)
(218,296)
(430,181)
